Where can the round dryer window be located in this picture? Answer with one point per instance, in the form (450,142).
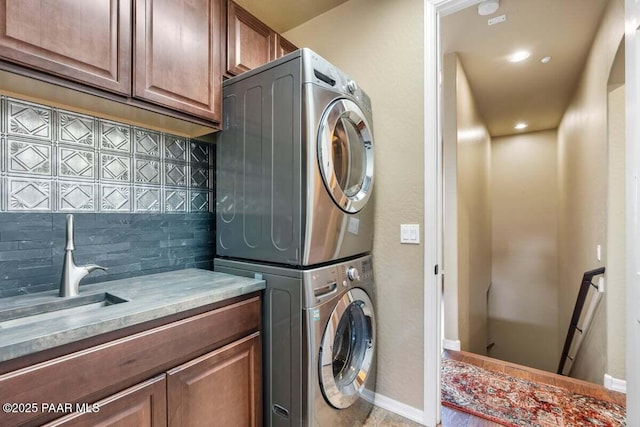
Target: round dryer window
(348,345)
(345,154)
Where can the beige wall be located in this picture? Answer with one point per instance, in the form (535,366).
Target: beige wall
(473,218)
(616,266)
(380,44)
(523,303)
(582,177)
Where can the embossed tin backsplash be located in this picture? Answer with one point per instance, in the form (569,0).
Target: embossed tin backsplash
(54,160)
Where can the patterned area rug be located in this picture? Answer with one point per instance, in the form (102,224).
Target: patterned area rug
(516,402)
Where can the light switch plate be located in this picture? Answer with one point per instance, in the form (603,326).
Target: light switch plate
(410,234)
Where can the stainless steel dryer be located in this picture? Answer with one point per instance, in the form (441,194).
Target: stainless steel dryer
(295,164)
(319,344)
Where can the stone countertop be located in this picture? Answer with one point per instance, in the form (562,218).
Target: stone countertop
(149,297)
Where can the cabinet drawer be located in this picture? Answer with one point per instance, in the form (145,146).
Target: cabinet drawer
(96,372)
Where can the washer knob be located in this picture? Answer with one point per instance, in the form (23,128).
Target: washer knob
(351,86)
(353,274)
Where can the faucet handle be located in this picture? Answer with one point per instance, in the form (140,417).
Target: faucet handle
(93,267)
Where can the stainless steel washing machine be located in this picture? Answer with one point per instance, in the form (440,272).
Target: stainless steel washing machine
(295,164)
(341,337)
(319,344)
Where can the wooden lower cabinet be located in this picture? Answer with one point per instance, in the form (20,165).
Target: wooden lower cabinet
(203,369)
(222,388)
(144,405)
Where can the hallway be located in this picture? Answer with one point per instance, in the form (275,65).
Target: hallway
(454,418)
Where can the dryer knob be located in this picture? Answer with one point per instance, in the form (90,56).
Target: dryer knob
(353,274)
(351,86)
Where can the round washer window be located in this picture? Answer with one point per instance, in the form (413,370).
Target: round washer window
(347,349)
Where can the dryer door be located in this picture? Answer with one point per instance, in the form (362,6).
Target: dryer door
(345,154)
(348,345)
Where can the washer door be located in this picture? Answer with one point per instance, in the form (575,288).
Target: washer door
(347,349)
(345,154)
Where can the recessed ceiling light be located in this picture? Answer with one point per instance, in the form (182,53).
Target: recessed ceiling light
(546,60)
(520,126)
(519,56)
(487,7)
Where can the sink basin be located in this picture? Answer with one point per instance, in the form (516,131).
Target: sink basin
(57,308)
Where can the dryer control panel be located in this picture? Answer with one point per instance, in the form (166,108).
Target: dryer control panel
(321,72)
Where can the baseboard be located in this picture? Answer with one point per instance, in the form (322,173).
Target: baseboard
(451,344)
(615,384)
(394,406)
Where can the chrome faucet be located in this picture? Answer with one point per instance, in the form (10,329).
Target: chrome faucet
(72,273)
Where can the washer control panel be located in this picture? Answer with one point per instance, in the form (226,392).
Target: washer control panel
(353,274)
(323,283)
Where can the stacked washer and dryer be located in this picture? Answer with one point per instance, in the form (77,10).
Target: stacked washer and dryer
(294,183)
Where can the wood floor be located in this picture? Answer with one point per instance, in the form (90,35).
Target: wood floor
(453,418)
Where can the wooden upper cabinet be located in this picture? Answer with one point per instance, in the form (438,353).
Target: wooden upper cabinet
(250,42)
(284,46)
(222,388)
(178,55)
(85,41)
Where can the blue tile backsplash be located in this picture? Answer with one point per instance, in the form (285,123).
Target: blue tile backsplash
(143,200)
(32,246)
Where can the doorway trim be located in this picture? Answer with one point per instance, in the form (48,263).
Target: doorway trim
(433,214)
(632,208)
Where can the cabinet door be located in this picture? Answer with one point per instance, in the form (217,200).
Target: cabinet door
(178,55)
(222,388)
(143,405)
(250,43)
(85,41)
(284,46)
